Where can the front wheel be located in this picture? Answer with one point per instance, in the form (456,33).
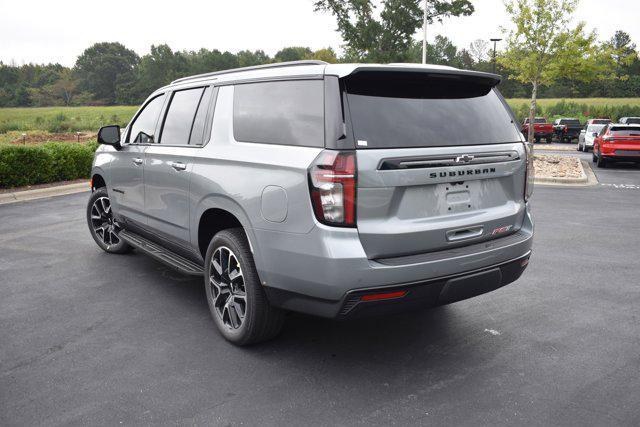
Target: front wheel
(237,302)
(104,229)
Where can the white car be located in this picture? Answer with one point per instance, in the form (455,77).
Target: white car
(587,135)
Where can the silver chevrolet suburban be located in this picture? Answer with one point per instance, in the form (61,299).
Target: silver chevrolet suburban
(337,190)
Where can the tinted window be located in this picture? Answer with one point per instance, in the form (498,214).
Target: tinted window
(632,120)
(289,113)
(180,116)
(144,125)
(539,120)
(393,110)
(570,122)
(625,130)
(197,133)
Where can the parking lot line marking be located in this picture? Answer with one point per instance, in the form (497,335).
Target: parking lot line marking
(622,186)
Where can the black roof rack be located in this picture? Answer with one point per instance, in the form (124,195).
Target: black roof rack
(255,67)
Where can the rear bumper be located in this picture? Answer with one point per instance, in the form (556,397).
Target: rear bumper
(621,152)
(317,273)
(405,297)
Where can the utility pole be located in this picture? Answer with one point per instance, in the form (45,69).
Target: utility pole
(424,35)
(495,42)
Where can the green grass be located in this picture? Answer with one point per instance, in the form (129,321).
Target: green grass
(589,101)
(73,119)
(63,119)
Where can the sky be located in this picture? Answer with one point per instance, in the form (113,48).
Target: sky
(60,30)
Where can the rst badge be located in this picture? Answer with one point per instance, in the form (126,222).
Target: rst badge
(501,230)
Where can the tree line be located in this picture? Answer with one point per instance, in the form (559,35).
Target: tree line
(109,73)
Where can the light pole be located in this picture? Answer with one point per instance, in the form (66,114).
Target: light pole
(495,42)
(424,34)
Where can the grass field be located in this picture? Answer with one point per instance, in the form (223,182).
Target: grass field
(56,120)
(63,119)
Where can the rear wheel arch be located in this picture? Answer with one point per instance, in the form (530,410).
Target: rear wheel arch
(212,221)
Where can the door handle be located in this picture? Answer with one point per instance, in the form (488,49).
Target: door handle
(179,166)
(138,161)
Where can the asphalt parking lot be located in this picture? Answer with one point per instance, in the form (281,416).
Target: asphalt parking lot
(90,338)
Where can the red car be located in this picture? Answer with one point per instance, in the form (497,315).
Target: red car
(617,142)
(541,129)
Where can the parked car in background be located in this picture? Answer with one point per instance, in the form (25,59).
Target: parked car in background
(630,120)
(542,129)
(617,143)
(587,135)
(600,121)
(566,130)
(330,189)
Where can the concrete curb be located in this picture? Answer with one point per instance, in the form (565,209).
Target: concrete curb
(553,148)
(588,178)
(40,193)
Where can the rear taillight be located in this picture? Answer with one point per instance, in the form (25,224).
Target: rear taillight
(530,173)
(332,183)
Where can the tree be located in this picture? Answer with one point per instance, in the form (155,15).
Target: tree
(542,47)
(623,52)
(101,65)
(294,53)
(247,58)
(326,55)
(389,36)
(478,49)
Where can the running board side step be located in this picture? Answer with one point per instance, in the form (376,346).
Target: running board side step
(162,254)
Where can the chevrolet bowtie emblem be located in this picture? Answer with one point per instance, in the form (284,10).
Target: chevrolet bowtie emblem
(464,159)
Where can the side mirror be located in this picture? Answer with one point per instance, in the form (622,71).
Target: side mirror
(595,134)
(109,135)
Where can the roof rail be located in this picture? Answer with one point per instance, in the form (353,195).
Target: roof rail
(254,67)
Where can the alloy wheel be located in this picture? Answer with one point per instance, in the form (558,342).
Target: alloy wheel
(103,223)
(228,292)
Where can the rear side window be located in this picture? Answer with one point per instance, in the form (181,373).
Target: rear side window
(287,113)
(402,110)
(180,116)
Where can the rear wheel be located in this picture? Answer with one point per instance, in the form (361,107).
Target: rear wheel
(237,302)
(549,139)
(104,229)
(601,162)
(579,148)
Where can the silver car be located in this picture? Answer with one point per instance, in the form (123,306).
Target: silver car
(338,190)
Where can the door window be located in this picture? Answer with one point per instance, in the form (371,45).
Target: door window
(180,116)
(144,125)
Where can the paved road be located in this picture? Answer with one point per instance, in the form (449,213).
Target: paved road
(90,338)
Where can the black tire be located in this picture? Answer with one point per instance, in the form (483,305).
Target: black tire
(102,226)
(549,139)
(601,162)
(261,321)
(537,139)
(579,148)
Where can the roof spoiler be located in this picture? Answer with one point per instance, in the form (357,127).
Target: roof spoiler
(481,77)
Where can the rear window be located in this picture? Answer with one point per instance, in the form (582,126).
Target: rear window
(632,120)
(402,110)
(625,131)
(601,121)
(539,120)
(288,113)
(570,122)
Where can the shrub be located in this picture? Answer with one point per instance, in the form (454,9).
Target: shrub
(38,164)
